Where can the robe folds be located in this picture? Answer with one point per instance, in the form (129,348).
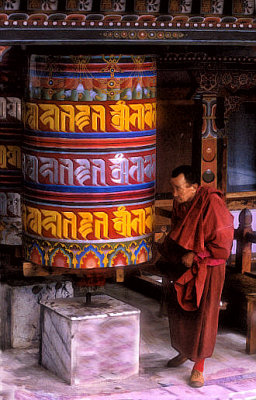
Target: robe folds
(204,226)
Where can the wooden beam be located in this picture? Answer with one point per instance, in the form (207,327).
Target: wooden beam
(119,273)
(30,269)
(240,195)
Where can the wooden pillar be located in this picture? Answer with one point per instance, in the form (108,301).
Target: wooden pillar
(197,132)
(251,324)
(244,247)
(209,141)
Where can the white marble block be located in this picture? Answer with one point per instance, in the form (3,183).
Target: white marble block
(85,343)
(20,311)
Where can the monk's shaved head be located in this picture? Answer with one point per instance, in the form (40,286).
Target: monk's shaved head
(190,175)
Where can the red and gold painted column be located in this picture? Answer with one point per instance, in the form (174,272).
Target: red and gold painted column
(209,142)
(11,130)
(89,160)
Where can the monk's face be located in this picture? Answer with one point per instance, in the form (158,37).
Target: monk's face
(182,190)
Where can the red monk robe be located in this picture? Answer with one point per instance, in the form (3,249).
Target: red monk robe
(204,226)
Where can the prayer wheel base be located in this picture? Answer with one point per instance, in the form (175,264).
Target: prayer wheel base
(91,343)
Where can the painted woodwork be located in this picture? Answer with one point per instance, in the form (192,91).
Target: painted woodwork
(89,160)
(212,6)
(180,6)
(11,5)
(113,5)
(207,7)
(224,84)
(209,142)
(243,7)
(148,6)
(141,25)
(79,5)
(42,5)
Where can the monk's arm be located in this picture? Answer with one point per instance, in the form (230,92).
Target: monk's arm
(218,228)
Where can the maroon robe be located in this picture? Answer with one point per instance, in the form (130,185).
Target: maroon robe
(204,226)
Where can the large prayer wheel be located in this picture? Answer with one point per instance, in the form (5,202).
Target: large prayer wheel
(10,171)
(11,130)
(89,160)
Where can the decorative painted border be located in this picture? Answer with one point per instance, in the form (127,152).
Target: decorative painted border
(128,23)
(84,256)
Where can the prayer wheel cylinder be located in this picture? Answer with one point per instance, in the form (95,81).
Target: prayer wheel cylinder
(89,160)
(11,130)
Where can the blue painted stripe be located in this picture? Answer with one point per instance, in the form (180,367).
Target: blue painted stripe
(92,135)
(90,189)
(86,205)
(89,75)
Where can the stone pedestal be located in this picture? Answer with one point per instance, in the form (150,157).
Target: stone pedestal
(20,311)
(85,343)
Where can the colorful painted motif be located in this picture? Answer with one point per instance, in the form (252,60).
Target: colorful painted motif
(209,142)
(149,6)
(212,6)
(12,5)
(183,6)
(79,5)
(245,7)
(112,5)
(89,160)
(79,255)
(44,5)
(112,78)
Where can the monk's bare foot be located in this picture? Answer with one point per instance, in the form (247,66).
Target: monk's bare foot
(196,379)
(176,361)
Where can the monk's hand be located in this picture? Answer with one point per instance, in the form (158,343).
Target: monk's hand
(156,255)
(188,259)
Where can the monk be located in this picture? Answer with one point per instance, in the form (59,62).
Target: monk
(195,251)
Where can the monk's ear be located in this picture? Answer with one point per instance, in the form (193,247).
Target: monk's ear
(195,186)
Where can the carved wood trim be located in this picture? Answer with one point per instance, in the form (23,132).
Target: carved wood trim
(232,104)
(218,81)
